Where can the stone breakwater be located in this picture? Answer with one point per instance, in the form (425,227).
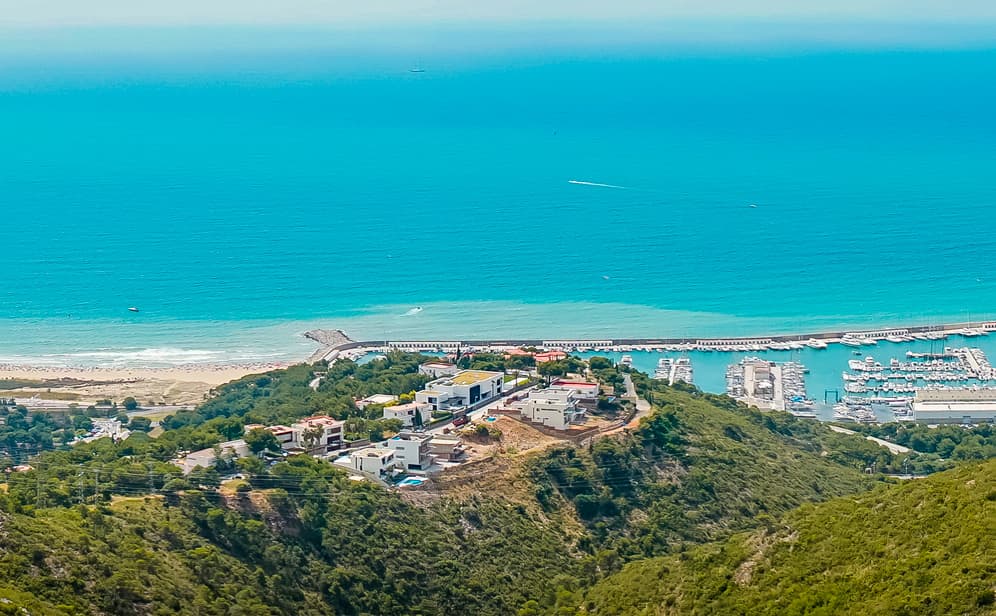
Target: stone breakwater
(336,342)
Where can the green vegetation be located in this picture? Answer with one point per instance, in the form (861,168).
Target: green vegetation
(114,528)
(923,547)
(560,367)
(24,434)
(939,447)
(697,469)
(495,362)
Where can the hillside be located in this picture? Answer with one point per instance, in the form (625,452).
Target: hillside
(527,533)
(700,467)
(923,547)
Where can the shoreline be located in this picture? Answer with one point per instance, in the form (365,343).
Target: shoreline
(332,344)
(210,374)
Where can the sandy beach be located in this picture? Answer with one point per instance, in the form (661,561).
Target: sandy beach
(200,373)
(178,385)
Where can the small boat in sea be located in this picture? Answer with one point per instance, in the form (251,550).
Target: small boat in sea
(133,309)
(626,360)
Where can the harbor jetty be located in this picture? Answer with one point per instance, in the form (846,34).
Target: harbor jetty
(335,343)
(674,370)
(776,386)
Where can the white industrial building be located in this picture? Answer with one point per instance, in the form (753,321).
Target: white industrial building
(955,406)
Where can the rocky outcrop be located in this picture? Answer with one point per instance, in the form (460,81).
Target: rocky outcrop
(329,339)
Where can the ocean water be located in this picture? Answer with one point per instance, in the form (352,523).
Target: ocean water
(239,204)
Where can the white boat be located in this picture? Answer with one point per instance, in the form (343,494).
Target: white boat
(626,360)
(895,339)
(813,343)
(869,341)
(851,342)
(683,370)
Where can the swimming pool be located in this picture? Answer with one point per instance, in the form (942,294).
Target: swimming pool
(411,481)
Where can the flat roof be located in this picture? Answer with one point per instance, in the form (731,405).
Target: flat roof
(375,452)
(404,407)
(469,377)
(378,398)
(954,407)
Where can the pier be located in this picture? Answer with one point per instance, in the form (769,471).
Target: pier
(768,385)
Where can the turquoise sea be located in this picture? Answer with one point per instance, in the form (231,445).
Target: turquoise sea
(240,201)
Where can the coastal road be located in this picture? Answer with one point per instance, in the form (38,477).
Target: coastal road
(892,447)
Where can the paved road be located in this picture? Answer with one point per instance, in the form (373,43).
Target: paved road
(642,406)
(892,447)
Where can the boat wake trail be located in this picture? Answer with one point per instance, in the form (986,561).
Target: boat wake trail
(599,184)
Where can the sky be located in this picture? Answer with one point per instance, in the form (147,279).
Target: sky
(102,13)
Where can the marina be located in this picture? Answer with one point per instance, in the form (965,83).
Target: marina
(894,384)
(822,354)
(770,385)
(674,370)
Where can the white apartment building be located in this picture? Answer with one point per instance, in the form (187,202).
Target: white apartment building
(374,461)
(553,408)
(460,390)
(411,450)
(410,414)
(585,391)
(319,434)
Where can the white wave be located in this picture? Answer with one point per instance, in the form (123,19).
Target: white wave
(165,355)
(599,184)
